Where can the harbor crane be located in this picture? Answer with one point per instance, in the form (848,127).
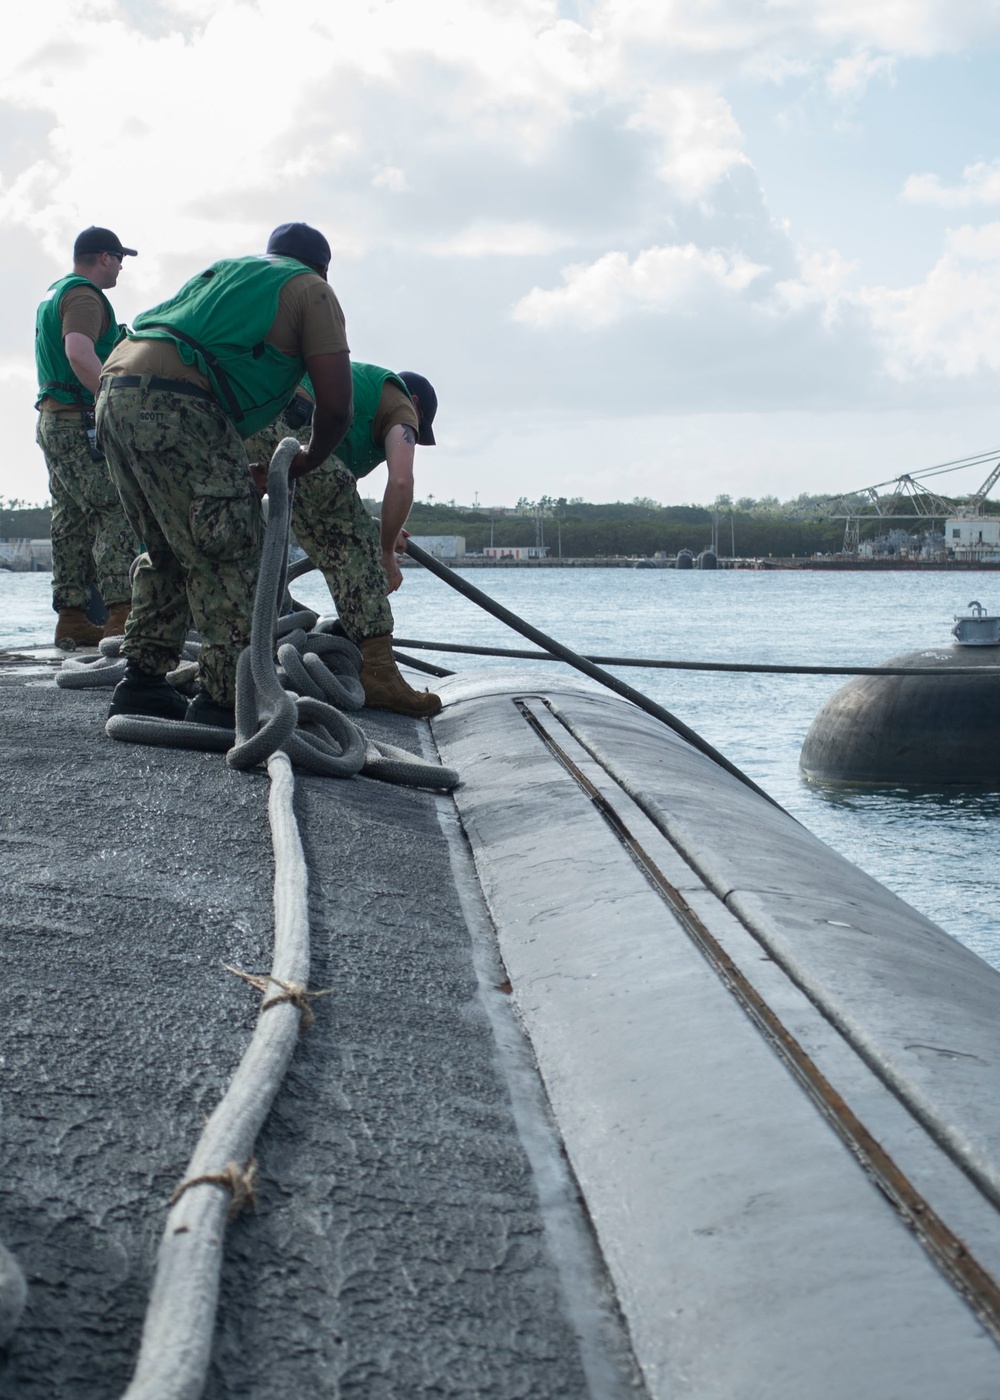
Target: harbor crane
(910,499)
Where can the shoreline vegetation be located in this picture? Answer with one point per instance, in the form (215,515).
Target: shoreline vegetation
(747,533)
(638,529)
(808,531)
(821,564)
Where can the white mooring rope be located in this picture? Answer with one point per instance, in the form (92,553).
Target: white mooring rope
(180,1319)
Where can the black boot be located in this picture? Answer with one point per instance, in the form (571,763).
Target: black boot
(204,710)
(142,694)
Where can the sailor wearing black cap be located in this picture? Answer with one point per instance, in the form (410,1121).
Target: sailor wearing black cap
(392,413)
(75,331)
(196,374)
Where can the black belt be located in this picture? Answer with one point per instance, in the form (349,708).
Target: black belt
(172,386)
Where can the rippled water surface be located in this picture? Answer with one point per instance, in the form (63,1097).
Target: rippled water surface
(938,850)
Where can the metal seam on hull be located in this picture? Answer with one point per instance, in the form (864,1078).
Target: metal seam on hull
(949,1253)
(935,1130)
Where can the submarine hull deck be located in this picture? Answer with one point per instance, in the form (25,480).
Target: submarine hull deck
(625,1084)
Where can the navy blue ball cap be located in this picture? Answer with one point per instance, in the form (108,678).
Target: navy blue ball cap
(300,241)
(422,389)
(101,240)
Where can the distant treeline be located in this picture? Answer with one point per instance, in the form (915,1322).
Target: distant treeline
(578,530)
(19,521)
(745,528)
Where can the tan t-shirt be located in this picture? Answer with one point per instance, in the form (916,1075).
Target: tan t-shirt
(308,322)
(81,310)
(394,407)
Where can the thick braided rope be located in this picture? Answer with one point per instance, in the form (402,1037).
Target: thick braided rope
(321,739)
(180,1318)
(108,668)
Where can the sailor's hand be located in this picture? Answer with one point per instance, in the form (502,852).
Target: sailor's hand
(393,572)
(301,463)
(258,470)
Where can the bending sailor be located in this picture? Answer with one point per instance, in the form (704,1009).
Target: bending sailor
(197,374)
(392,413)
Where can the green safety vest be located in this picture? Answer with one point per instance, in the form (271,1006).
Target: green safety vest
(218,322)
(55,373)
(358,450)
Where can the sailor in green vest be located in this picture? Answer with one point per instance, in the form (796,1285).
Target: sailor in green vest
(359,560)
(195,375)
(75,331)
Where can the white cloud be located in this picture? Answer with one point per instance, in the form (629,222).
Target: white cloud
(483,239)
(701,138)
(390,177)
(798,30)
(948,324)
(657,279)
(505,133)
(980,184)
(904,27)
(823,281)
(850,76)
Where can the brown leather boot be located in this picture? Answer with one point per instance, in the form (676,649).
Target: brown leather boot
(74,630)
(385,688)
(117,617)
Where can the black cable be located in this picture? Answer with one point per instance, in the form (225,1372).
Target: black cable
(425,666)
(580,663)
(653,664)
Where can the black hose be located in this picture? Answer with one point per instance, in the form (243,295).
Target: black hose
(427,667)
(580,663)
(654,664)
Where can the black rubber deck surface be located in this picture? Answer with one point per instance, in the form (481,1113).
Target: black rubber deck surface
(397,1248)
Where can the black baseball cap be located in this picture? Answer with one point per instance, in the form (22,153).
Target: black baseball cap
(302,242)
(101,240)
(424,391)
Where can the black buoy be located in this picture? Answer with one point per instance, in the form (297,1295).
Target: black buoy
(899,731)
(685,559)
(707,559)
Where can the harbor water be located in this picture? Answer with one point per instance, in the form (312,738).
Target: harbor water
(937,849)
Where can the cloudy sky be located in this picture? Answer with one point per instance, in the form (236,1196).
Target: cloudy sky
(664,248)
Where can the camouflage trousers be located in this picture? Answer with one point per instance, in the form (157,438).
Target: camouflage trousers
(91,539)
(340,537)
(182,473)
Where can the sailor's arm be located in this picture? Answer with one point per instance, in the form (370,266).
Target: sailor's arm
(334,391)
(83,360)
(400,442)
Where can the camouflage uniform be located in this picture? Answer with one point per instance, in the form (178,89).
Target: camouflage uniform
(182,473)
(338,534)
(91,539)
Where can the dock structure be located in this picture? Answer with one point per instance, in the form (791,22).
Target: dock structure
(24,556)
(626,1084)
